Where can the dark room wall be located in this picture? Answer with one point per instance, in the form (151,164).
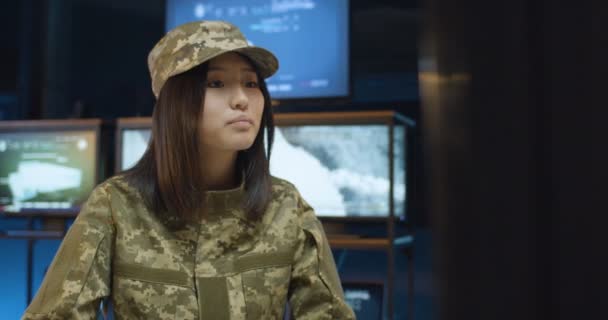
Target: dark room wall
(9,46)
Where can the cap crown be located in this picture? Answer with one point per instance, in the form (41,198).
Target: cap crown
(194,43)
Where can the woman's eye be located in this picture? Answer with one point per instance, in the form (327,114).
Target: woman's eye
(215,84)
(252,84)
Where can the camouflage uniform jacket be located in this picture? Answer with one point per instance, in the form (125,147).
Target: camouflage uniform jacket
(226,267)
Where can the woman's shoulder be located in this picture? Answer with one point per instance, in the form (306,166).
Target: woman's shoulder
(99,207)
(294,211)
(116,185)
(281,183)
(114,197)
(282,188)
(286,195)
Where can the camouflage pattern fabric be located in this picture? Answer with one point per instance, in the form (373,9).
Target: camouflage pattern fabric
(194,43)
(225,267)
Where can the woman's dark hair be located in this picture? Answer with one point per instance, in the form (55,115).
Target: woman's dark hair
(169,174)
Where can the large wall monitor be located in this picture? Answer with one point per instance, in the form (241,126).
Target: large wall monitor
(309,37)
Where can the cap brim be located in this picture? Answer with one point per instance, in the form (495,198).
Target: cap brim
(266,62)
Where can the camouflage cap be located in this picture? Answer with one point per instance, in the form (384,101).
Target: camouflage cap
(194,43)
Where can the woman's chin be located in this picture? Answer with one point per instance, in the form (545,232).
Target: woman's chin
(241,146)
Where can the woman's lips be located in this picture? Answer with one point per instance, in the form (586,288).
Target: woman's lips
(241,122)
(241,119)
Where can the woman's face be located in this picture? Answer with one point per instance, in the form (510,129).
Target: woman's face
(233,105)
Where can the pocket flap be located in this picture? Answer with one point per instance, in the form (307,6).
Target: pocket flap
(155,275)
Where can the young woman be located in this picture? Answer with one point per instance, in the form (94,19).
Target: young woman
(198,229)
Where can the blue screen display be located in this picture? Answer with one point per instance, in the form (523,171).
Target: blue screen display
(364,299)
(309,37)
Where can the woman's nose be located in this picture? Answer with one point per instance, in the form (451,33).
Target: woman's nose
(238,99)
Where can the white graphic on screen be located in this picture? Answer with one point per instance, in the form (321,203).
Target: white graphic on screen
(46,170)
(82,144)
(135,143)
(218,11)
(34,177)
(341,170)
(311,177)
(365,300)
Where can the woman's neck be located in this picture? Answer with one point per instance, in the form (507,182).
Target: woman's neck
(219,170)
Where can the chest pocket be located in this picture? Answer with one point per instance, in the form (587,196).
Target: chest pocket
(255,289)
(145,293)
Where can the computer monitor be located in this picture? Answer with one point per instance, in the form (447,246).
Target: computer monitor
(48,166)
(309,37)
(338,161)
(132,136)
(365,298)
(342,169)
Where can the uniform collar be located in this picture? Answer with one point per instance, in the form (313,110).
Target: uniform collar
(226,201)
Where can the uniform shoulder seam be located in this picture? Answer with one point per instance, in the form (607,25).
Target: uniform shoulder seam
(284,183)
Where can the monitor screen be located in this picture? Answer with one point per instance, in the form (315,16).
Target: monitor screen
(340,170)
(134,144)
(365,299)
(47,170)
(309,37)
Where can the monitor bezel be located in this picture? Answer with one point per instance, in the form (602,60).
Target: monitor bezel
(36,126)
